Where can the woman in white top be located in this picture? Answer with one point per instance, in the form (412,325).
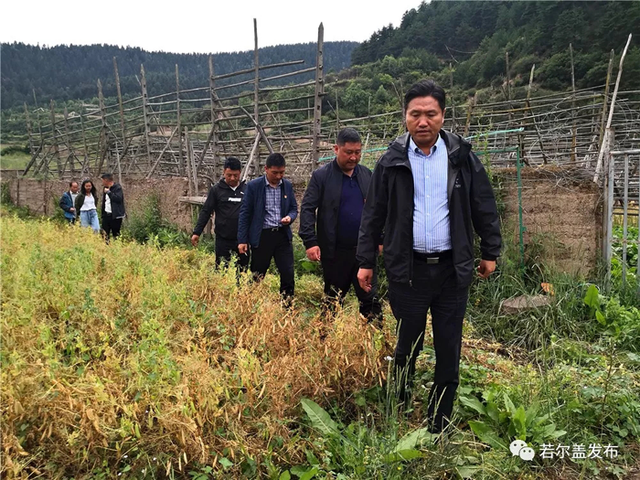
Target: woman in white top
(86,206)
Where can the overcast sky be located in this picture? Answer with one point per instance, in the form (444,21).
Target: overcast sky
(198,26)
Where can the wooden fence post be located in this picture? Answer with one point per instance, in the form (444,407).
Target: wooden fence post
(317,99)
(145,113)
(122,127)
(56,151)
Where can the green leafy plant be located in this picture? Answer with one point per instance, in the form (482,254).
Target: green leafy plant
(358,449)
(500,421)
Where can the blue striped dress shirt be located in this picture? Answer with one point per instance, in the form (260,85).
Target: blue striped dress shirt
(272,205)
(431,230)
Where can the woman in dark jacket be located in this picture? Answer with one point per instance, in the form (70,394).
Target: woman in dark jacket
(86,206)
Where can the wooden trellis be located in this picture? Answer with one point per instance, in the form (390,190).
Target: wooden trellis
(189,132)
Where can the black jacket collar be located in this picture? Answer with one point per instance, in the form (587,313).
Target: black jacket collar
(457,149)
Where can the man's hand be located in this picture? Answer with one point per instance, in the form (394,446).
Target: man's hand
(313,254)
(380,248)
(242,248)
(194,240)
(365,277)
(106,190)
(486,268)
(72,209)
(286,220)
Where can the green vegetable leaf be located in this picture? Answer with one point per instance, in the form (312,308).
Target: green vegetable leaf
(402,455)
(414,439)
(320,419)
(473,403)
(487,434)
(592,298)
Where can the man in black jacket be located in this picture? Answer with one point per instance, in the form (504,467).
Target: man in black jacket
(334,200)
(224,199)
(112,207)
(429,192)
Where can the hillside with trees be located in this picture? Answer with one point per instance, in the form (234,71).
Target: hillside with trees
(474,36)
(70,72)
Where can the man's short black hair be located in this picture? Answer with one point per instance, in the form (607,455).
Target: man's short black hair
(72,182)
(232,163)
(425,88)
(348,135)
(107,176)
(275,160)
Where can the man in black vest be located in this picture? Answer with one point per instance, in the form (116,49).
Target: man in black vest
(330,220)
(224,199)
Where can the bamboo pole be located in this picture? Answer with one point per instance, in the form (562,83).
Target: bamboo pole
(317,102)
(145,113)
(608,206)
(191,161)
(214,139)
(605,100)
(574,132)
(29,129)
(70,153)
(261,131)
(181,167)
(290,74)
(56,151)
(535,123)
(613,104)
(256,98)
(103,129)
(84,142)
(122,124)
(247,166)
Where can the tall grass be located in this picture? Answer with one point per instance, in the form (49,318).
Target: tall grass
(131,358)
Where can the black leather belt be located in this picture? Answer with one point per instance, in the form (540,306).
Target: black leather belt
(434,257)
(273,229)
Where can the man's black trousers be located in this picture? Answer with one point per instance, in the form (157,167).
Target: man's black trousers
(225,248)
(111,226)
(433,287)
(274,243)
(340,272)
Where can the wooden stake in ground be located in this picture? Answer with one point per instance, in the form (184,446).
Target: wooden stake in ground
(145,113)
(122,127)
(574,131)
(256,96)
(317,99)
(610,120)
(56,151)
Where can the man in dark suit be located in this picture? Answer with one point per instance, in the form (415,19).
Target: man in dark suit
(225,200)
(67,202)
(330,219)
(112,206)
(268,208)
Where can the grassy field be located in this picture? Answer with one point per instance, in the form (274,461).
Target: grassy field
(135,361)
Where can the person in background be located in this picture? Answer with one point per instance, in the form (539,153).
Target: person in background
(330,219)
(268,208)
(112,207)
(224,199)
(86,206)
(68,202)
